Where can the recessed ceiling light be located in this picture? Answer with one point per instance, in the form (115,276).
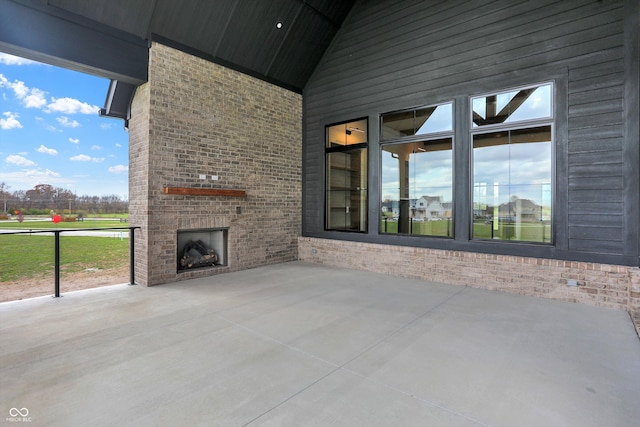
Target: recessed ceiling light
(279,25)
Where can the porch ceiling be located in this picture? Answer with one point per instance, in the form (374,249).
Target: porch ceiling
(280,41)
(243,33)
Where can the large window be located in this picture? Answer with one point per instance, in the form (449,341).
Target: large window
(417,171)
(512,136)
(346,174)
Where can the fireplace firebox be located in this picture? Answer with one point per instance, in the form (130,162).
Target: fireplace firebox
(202,248)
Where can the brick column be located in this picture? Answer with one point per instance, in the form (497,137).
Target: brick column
(197,124)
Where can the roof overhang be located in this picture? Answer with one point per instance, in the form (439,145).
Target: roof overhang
(279,41)
(118,101)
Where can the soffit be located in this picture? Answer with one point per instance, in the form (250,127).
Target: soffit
(239,33)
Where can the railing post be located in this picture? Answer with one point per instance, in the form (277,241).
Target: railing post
(132,278)
(56,257)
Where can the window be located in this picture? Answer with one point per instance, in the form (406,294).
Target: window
(417,171)
(346,176)
(512,137)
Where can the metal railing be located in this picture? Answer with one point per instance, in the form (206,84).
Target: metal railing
(56,250)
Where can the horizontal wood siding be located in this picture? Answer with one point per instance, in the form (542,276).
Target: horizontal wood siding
(398,54)
(596,180)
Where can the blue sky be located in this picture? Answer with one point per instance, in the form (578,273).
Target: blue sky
(50,131)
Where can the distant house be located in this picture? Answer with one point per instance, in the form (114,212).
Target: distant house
(520,210)
(432,208)
(393,207)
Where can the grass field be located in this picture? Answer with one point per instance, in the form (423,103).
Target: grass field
(26,256)
(123,216)
(528,231)
(422,228)
(48,224)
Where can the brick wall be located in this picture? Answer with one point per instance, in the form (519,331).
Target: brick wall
(193,118)
(138,179)
(604,285)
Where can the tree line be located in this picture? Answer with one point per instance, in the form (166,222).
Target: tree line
(44,198)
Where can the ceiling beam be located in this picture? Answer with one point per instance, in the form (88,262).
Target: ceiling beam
(33,31)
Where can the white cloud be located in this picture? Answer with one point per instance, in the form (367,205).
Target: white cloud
(19,161)
(80,158)
(39,173)
(118,145)
(7,59)
(64,121)
(52,128)
(71,106)
(35,99)
(74,140)
(30,97)
(11,121)
(106,126)
(45,150)
(85,158)
(118,169)
(20,90)
(31,177)
(96,147)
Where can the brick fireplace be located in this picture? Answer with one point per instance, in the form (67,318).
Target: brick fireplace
(198,126)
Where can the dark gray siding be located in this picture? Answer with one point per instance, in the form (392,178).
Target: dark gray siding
(398,54)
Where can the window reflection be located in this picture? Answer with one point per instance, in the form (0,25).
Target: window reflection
(508,107)
(440,119)
(512,191)
(417,189)
(421,121)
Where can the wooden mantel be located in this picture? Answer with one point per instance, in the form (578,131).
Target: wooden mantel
(186,191)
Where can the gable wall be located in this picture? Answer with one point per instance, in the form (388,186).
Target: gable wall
(407,53)
(396,55)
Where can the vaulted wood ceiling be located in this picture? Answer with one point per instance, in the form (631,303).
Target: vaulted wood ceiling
(242,34)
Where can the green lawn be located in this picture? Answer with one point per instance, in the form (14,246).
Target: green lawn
(118,216)
(423,228)
(529,231)
(48,224)
(28,256)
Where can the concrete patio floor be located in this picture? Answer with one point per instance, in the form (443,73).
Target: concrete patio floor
(299,344)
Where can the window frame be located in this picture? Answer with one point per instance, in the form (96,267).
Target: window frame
(551,117)
(513,126)
(342,149)
(417,138)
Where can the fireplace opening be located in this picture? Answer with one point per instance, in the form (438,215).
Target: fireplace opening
(201,248)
